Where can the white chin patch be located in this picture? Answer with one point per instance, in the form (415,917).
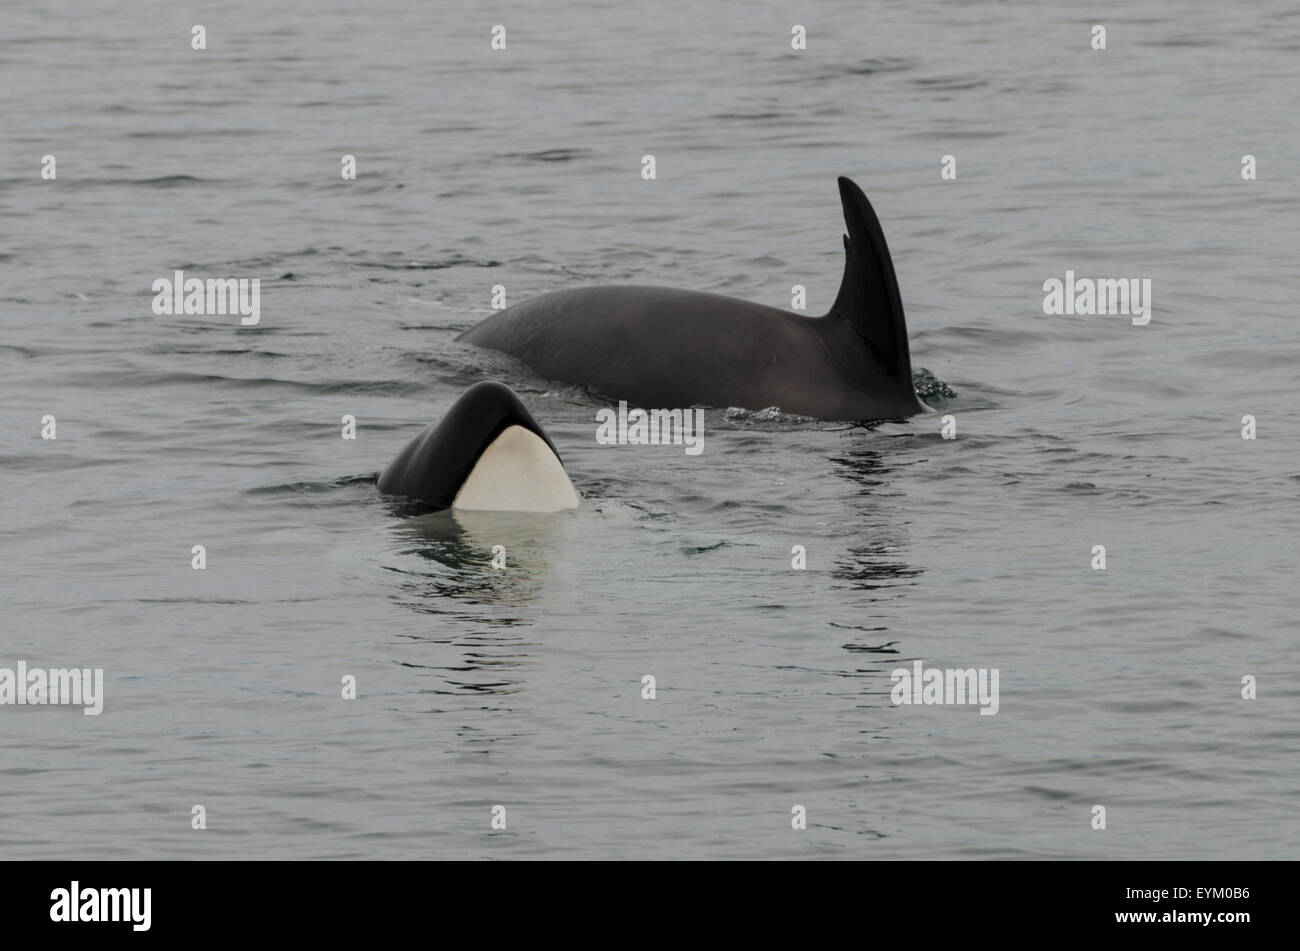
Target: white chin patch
(517,472)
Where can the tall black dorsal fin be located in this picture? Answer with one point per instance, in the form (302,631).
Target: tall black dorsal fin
(869,301)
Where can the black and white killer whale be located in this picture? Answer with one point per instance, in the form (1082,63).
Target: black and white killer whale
(486,454)
(660,347)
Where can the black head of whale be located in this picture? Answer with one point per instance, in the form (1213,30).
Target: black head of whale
(486,454)
(660,347)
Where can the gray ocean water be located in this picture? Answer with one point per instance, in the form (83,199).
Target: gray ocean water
(523,687)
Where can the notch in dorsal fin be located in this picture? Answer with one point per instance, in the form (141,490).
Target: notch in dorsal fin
(868,300)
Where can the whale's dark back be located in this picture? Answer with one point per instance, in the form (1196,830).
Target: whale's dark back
(664,347)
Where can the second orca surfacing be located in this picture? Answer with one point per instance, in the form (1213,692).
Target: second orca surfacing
(661,347)
(486,454)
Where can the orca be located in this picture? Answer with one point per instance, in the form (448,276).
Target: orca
(661,347)
(487,454)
